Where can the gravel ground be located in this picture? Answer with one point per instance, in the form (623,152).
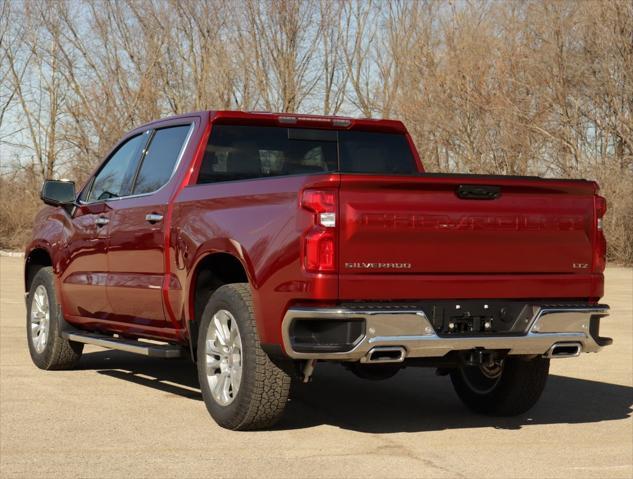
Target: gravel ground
(124,415)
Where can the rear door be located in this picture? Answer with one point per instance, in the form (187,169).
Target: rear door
(136,265)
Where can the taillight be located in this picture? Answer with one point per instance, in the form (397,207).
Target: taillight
(600,246)
(319,242)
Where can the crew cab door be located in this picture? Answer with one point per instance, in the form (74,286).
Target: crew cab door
(83,280)
(85,275)
(136,261)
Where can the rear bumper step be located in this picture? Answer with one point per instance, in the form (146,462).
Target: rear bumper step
(167,351)
(552,331)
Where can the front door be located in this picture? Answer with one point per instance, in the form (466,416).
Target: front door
(84,279)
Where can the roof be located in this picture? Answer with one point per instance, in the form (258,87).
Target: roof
(297,120)
(306,121)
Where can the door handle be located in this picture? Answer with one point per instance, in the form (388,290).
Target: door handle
(102,221)
(153,218)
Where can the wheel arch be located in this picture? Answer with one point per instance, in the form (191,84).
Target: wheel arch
(211,271)
(35,260)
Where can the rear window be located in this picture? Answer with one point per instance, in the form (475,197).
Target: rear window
(243,152)
(367,152)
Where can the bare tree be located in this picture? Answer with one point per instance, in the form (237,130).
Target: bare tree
(360,32)
(10,35)
(526,87)
(38,87)
(282,36)
(332,64)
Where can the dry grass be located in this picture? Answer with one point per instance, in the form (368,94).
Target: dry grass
(19,197)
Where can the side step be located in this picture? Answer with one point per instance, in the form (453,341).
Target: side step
(152,350)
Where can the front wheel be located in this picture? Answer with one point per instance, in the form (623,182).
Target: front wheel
(241,387)
(44,321)
(506,389)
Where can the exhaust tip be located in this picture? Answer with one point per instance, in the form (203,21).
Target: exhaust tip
(386,354)
(564,350)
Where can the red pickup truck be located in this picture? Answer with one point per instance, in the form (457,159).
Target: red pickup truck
(261,243)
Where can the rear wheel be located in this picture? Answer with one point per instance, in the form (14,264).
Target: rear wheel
(241,386)
(44,323)
(508,388)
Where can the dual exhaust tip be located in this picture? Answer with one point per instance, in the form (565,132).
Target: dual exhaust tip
(397,354)
(564,350)
(386,354)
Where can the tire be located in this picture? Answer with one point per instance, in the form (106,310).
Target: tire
(512,392)
(256,397)
(44,323)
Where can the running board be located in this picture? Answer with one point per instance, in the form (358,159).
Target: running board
(167,351)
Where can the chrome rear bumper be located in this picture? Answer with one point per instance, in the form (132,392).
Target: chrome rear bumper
(412,330)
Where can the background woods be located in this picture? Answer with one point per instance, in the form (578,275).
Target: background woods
(523,87)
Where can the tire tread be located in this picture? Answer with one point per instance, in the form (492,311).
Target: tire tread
(264,398)
(60,353)
(270,390)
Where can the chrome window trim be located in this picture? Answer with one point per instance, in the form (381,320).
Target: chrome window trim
(143,155)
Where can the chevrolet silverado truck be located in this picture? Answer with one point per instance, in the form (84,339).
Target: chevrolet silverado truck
(260,244)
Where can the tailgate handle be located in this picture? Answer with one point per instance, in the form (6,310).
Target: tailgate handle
(478,192)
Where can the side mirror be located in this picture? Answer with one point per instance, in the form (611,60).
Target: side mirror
(58,193)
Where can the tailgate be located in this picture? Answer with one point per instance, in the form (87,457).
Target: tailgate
(465,224)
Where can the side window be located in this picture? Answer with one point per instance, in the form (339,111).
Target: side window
(160,159)
(113,179)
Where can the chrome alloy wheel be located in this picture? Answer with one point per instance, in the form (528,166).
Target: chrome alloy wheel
(223,347)
(40,318)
